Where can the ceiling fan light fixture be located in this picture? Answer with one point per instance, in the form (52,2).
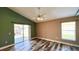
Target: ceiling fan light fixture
(40,18)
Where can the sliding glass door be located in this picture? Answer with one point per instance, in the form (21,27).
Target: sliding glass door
(21,32)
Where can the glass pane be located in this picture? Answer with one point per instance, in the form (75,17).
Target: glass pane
(26,32)
(68,35)
(68,31)
(18,30)
(68,26)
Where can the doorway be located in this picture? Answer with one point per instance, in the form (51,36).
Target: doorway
(22,33)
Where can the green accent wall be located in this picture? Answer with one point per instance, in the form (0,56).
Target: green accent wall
(7,19)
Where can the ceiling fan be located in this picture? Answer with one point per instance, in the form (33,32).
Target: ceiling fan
(40,16)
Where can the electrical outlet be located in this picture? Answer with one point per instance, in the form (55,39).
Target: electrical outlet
(6,42)
(9,33)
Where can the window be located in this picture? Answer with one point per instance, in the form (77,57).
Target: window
(68,30)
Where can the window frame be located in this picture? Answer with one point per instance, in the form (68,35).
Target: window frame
(62,30)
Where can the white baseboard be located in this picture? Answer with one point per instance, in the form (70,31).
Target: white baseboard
(34,37)
(4,47)
(58,41)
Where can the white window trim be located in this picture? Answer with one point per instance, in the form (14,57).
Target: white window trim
(75,32)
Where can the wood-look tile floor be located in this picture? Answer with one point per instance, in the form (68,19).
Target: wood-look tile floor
(41,45)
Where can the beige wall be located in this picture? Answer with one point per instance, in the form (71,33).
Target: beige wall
(52,29)
(49,29)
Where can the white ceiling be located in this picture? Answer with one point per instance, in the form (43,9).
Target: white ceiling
(50,13)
